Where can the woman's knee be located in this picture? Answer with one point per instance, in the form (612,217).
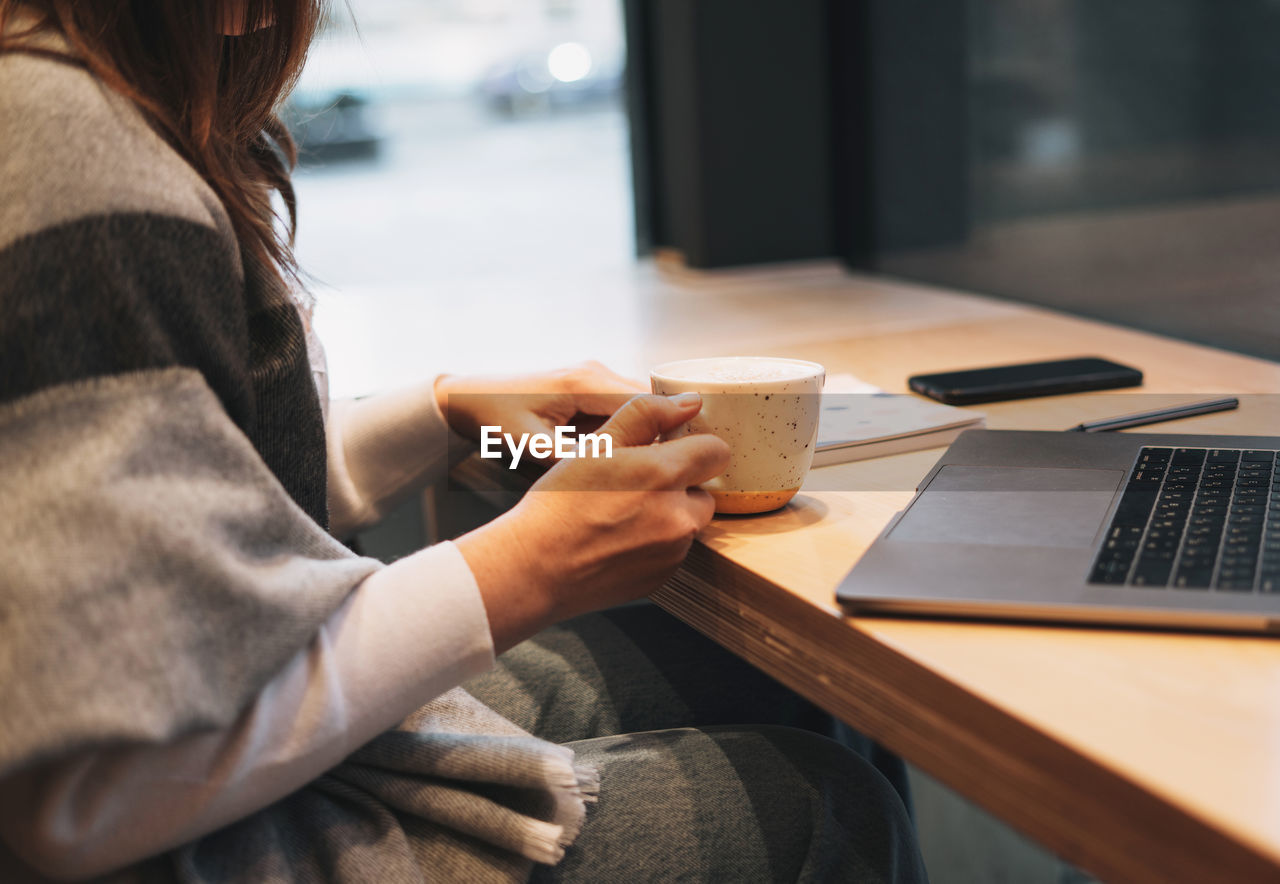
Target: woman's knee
(729,803)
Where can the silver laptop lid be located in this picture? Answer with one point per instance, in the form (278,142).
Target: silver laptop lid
(1009,525)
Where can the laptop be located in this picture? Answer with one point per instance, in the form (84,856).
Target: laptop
(1177,531)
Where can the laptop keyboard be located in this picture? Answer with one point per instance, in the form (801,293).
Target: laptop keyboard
(1196,518)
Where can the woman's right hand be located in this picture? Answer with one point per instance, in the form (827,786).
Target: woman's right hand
(596,532)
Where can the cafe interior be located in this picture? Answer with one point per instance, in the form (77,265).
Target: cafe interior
(892,190)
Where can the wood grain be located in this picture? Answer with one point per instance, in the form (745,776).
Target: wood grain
(1139,756)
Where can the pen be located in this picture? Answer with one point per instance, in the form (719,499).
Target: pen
(1141,419)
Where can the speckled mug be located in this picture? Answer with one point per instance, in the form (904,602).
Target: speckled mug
(766,408)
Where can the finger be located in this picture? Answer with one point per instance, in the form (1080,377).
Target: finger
(604,391)
(702,506)
(605,371)
(645,418)
(528,425)
(588,423)
(604,402)
(694,459)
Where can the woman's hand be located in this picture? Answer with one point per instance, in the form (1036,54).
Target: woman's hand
(595,532)
(582,397)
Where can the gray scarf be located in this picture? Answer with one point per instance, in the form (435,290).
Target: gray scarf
(154,576)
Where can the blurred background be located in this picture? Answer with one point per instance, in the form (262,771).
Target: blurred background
(1114,158)
(1122,160)
(451,141)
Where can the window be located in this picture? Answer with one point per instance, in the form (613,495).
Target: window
(1123,161)
(457,146)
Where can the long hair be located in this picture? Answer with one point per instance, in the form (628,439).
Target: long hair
(212,97)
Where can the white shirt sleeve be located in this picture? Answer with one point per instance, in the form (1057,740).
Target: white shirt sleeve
(382,449)
(408,633)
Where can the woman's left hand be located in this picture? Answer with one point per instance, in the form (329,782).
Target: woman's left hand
(583,397)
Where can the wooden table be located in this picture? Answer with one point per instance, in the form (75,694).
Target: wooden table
(1138,756)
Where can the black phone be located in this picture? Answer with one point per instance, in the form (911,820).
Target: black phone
(1025,380)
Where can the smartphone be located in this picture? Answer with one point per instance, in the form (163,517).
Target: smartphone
(1023,381)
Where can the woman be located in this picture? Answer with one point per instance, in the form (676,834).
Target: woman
(197,680)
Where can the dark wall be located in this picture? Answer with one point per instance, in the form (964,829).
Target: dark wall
(900,123)
(789,129)
(731,125)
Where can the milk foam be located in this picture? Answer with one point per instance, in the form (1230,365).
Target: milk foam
(744,371)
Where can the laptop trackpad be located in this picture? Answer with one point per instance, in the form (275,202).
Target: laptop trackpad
(999,506)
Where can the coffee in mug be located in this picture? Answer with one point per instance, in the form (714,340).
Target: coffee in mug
(766,408)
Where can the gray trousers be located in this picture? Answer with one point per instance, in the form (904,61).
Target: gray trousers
(705,772)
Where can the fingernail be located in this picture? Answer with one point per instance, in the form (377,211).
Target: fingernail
(686,400)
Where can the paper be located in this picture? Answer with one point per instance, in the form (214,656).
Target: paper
(858,415)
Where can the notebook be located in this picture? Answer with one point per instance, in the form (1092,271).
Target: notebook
(860,420)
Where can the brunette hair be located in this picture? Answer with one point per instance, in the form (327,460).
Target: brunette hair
(212,97)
